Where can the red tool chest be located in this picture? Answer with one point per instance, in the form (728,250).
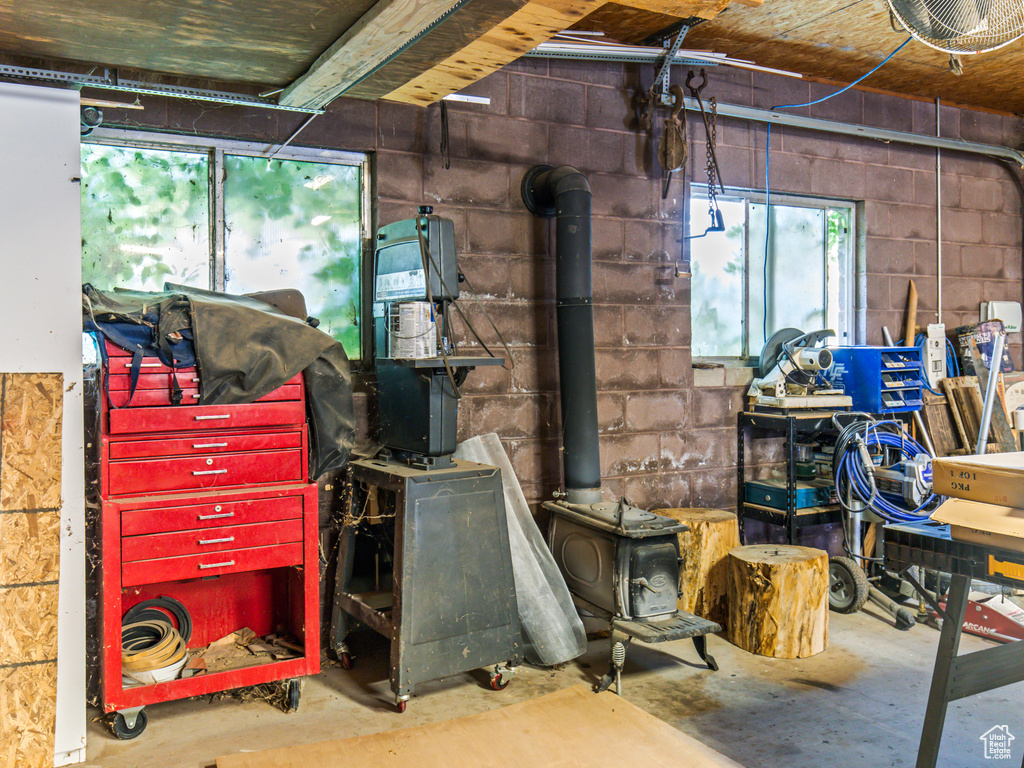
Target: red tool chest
(210,505)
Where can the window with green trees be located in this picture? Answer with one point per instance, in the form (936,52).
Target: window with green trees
(744,287)
(223,216)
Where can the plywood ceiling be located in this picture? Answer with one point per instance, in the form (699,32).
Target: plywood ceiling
(267,42)
(840,42)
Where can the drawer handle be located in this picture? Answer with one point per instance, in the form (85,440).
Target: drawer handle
(209,445)
(216,565)
(209,472)
(195,379)
(219,416)
(195,397)
(217,541)
(146,365)
(215,517)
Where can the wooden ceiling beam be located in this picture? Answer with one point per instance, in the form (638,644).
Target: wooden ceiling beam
(378,35)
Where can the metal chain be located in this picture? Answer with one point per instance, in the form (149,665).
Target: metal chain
(712,167)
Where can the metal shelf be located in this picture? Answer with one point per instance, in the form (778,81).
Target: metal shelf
(461,361)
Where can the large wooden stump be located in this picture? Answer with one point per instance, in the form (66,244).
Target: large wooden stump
(704,572)
(778,600)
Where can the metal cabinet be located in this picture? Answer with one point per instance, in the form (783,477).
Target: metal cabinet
(448,601)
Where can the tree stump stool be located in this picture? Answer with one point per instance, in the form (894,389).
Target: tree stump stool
(778,600)
(704,572)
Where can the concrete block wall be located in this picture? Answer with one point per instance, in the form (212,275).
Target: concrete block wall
(667,429)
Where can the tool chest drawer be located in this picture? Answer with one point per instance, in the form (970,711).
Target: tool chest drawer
(125,421)
(147,398)
(203,444)
(211,514)
(156,545)
(137,477)
(209,564)
(186,377)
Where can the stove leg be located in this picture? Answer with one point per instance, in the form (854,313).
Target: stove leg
(619,644)
(700,642)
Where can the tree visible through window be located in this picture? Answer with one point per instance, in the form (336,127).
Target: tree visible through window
(149,216)
(744,289)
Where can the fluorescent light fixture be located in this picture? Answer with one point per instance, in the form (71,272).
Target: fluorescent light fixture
(316,221)
(468,99)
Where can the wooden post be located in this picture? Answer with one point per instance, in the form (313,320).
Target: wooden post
(703,574)
(778,600)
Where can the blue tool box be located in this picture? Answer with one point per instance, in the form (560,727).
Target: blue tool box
(879,379)
(772,493)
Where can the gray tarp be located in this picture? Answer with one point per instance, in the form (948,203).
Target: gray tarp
(244,350)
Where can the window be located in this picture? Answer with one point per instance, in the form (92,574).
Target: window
(220,215)
(738,299)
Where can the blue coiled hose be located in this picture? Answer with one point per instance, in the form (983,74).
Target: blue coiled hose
(854,472)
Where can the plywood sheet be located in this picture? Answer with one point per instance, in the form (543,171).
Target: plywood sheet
(572,727)
(27,715)
(28,623)
(31,406)
(29,547)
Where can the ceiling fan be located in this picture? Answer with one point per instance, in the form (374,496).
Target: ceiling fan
(961,26)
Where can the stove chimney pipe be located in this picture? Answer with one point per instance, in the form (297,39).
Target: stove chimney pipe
(564,193)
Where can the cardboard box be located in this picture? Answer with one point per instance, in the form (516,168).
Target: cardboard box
(990,525)
(994,479)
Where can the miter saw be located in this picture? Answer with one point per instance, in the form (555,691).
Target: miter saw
(792,372)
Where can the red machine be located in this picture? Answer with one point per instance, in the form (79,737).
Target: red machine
(212,506)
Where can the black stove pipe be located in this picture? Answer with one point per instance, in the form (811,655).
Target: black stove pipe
(564,193)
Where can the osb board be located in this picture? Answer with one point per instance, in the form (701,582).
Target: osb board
(257,41)
(28,623)
(29,547)
(840,42)
(31,406)
(567,728)
(27,715)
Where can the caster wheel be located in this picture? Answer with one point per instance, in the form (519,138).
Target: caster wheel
(119,726)
(292,693)
(497,684)
(400,706)
(346,660)
(847,585)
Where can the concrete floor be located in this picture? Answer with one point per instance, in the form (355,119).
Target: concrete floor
(860,703)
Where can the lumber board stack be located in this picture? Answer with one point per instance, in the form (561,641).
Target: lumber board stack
(778,600)
(31,410)
(704,549)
